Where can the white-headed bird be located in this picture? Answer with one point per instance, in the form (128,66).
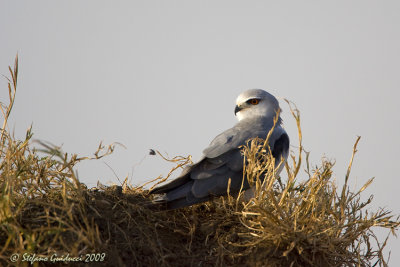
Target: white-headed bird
(222,159)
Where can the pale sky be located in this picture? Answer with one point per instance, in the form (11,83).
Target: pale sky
(165,75)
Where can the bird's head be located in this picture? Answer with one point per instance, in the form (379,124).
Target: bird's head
(256,103)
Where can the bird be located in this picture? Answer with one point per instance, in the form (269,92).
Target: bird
(222,160)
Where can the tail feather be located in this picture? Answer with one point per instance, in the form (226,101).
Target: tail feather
(180,191)
(172,185)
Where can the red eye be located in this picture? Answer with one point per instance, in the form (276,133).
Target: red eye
(254,101)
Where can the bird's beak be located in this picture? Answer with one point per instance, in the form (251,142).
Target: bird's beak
(237,109)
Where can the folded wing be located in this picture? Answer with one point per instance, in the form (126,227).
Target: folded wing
(222,161)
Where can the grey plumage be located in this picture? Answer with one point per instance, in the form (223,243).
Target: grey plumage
(222,159)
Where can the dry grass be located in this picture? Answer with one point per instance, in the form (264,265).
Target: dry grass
(44,209)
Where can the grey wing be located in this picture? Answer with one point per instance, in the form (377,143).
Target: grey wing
(209,177)
(223,143)
(229,165)
(235,137)
(222,161)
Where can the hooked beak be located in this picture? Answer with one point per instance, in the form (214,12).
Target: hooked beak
(237,109)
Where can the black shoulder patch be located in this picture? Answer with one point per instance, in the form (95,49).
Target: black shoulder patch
(281,145)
